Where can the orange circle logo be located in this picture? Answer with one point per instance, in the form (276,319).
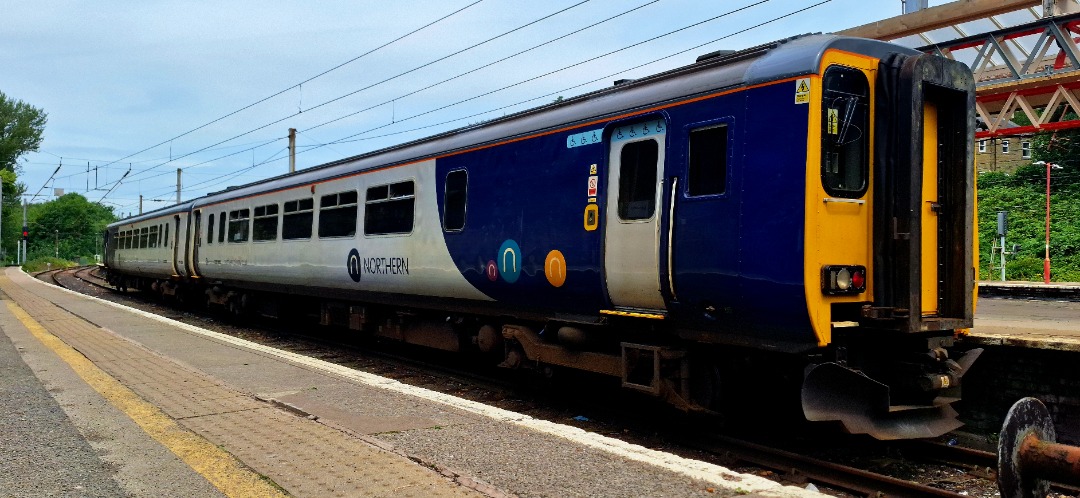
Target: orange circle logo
(555,268)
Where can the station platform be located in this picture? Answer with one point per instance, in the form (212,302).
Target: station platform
(1027,314)
(1020,288)
(99,399)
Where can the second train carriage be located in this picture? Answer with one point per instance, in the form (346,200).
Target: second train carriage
(812,197)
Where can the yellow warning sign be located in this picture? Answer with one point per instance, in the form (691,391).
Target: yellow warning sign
(834,121)
(802,91)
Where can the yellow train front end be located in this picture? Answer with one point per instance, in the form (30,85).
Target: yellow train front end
(889,248)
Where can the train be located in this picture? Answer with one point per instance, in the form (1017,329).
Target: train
(804,206)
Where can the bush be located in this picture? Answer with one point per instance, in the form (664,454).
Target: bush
(42,264)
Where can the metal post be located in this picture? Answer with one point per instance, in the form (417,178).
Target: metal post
(1046,258)
(178,170)
(1002,228)
(292,150)
(25,229)
(140,203)
(57,253)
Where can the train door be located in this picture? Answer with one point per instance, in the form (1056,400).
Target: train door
(194,239)
(924,260)
(929,232)
(703,221)
(632,228)
(177,263)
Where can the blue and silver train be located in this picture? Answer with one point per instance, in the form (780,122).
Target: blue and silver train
(807,202)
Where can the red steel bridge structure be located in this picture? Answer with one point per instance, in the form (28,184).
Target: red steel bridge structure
(1029,62)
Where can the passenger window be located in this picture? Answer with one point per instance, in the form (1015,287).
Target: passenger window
(454,200)
(153,236)
(209,229)
(845,132)
(238,225)
(298,216)
(388,209)
(266,221)
(637,179)
(144,237)
(337,215)
(707,168)
(166,235)
(221,228)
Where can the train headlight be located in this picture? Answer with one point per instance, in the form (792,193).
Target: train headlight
(843,279)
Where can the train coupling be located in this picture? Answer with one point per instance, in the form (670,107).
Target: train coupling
(833,392)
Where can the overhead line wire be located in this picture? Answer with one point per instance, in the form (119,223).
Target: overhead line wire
(369,52)
(349,137)
(485,66)
(454,77)
(560,11)
(381,82)
(549,73)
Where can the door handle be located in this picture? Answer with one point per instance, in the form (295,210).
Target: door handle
(671,238)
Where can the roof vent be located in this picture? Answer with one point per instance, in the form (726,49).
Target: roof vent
(622,82)
(713,55)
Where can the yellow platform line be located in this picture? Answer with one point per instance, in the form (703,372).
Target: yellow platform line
(218,467)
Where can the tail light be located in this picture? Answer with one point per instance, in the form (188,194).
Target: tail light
(843,279)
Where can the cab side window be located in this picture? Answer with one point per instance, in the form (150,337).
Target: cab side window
(707,173)
(455,197)
(845,132)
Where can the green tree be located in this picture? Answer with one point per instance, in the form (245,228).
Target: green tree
(69,226)
(11,220)
(21,128)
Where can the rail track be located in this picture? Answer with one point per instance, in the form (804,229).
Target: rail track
(973,470)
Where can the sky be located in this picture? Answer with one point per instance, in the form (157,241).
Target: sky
(135,90)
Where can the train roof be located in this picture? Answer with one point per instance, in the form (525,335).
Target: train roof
(796,56)
(157,213)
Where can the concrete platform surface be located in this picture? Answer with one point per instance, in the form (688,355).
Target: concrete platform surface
(1030,322)
(169,409)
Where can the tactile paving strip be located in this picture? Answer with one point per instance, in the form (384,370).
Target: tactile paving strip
(303,456)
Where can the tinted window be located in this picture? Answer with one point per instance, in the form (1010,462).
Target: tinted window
(707,161)
(455,196)
(337,215)
(238,225)
(845,132)
(297,219)
(166,235)
(637,180)
(209,230)
(265,224)
(153,237)
(389,209)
